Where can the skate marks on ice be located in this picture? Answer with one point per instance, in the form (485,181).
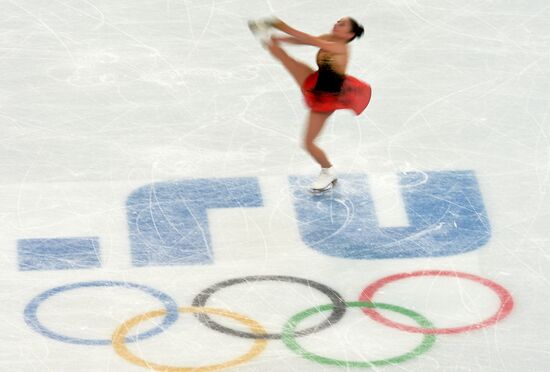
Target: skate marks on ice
(168,221)
(58,253)
(236,298)
(444,209)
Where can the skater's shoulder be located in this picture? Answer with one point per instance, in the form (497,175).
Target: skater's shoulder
(327,37)
(331,38)
(330,44)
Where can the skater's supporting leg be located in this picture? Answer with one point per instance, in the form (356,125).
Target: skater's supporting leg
(299,71)
(315,124)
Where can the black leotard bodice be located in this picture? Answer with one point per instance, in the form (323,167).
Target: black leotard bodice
(328,80)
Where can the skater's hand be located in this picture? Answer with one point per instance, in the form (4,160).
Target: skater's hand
(262,25)
(270,21)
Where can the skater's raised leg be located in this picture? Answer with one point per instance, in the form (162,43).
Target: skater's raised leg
(299,71)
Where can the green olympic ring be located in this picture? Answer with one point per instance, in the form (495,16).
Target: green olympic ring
(290,341)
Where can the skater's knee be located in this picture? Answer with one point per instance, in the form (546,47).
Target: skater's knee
(309,145)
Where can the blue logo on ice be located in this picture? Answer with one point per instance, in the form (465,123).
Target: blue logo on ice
(168,221)
(445,211)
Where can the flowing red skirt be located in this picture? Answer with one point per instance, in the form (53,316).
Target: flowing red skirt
(355,95)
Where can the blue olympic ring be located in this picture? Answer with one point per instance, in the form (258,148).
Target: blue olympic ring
(32,321)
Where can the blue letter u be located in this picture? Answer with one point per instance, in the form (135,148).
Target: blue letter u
(445,212)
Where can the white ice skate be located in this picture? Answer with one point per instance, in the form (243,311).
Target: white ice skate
(262,28)
(324,182)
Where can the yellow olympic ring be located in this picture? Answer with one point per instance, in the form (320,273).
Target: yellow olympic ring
(120,334)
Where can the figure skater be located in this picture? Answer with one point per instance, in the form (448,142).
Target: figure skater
(325,90)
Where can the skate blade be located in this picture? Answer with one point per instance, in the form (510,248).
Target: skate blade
(323,190)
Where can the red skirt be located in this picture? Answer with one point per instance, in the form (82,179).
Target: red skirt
(355,95)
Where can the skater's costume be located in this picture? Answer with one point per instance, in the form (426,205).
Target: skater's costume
(326,90)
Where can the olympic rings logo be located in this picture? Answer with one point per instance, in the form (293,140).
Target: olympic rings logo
(289,335)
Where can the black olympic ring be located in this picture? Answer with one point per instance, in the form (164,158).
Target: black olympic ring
(338,310)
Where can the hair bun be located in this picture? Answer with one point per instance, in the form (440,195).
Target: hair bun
(357,29)
(360,31)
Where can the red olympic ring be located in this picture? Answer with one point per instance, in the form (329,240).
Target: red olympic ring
(506,302)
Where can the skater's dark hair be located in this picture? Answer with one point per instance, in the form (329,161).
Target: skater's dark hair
(357,29)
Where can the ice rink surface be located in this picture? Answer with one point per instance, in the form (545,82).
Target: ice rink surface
(151,167)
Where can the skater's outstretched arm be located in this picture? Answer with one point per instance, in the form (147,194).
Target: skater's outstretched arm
(293,40)
(308,39)
(287,39)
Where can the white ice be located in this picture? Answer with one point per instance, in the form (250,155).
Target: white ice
(100,98)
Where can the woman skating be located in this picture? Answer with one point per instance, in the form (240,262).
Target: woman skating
(325,90)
